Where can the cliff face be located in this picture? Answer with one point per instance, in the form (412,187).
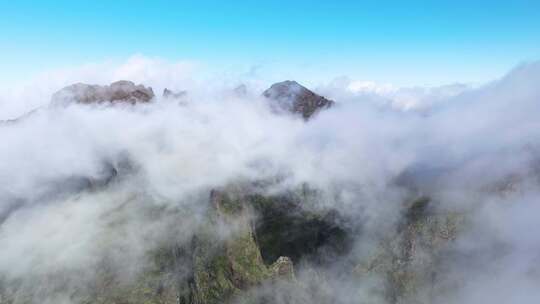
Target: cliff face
(221,263)
(221,269)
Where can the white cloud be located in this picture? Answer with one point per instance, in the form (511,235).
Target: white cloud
(471,139)
(37,89)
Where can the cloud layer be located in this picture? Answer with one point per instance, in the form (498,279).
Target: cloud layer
(474,150)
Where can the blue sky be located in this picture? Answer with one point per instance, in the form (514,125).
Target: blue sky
(400,42)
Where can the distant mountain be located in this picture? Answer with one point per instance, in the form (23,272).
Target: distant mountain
(120,91)
(287,96)
(172,94)
(295,98)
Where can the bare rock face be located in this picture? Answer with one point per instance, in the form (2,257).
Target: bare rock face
(223,270)
(283,267)
(295,98)
(120,91)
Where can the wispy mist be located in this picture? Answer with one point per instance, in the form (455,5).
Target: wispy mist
(472,150)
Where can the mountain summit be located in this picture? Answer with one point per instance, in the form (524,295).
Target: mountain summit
(119,91)
(295,98)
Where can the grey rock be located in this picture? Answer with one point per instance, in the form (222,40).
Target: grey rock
(172,94)
(283,268)
(120,91)
(295,98)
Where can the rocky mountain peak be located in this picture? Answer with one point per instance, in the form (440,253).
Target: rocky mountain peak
(295,98)
(119,91)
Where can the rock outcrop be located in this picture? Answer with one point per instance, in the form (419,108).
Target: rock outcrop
(292,97)
(120,91)
(283,268)
(172,94)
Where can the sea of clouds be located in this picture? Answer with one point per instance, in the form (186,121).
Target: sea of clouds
(475,149)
